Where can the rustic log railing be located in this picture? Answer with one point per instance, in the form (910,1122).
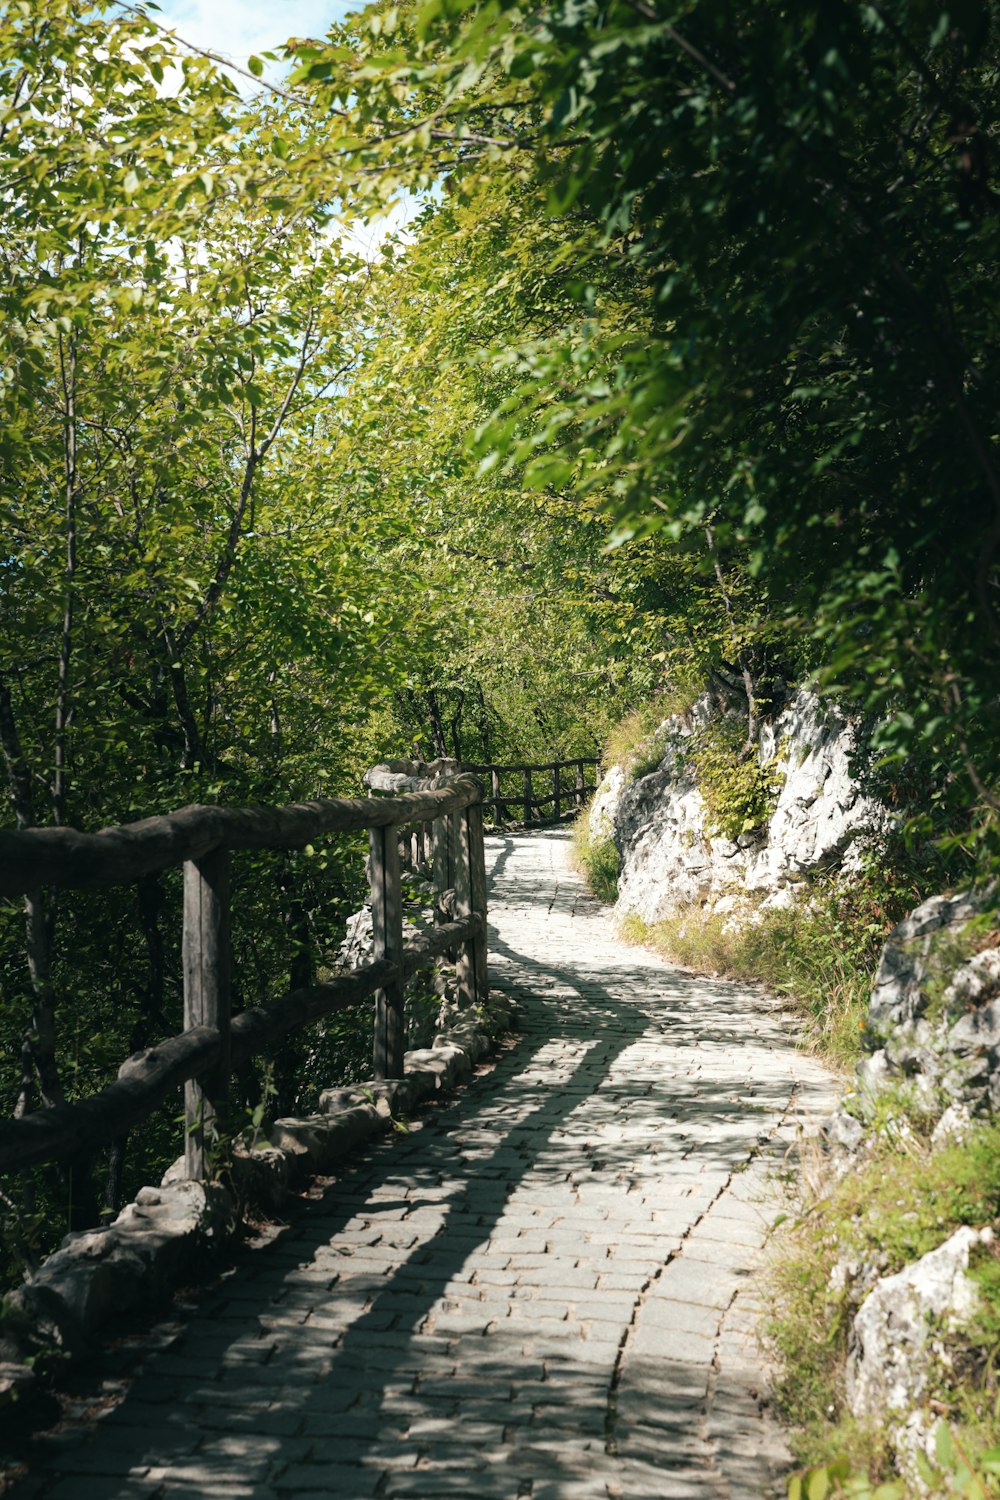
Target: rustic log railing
(213,1044)
(523,806)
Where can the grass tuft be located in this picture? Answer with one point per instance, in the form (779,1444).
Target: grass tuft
(635,743)
(595,856)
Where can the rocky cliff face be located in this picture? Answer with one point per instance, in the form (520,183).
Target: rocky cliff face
(933,1021)
(671,855)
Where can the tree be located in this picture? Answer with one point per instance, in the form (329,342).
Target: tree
(803,201)
(178,611)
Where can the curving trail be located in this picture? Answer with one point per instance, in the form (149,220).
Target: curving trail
(545,1291)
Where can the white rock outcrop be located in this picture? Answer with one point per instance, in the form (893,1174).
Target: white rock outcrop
(899,1341)
(892,1344)
(933,1021)
(671,857)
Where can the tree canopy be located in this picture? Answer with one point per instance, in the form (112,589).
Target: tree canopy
(759,240)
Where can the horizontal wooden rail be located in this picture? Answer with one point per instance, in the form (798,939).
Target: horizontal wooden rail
(213,1043)
(65,857)
(544,801)
(567,796)
(519,768)
(145,1079)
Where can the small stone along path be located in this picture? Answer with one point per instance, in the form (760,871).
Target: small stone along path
(545,1290)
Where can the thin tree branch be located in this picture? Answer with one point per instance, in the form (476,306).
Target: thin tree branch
(67,371)
(216,57)
(648,14)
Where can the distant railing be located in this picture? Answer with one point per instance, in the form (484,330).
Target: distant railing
(213,1043)
(570,788)
(511,807)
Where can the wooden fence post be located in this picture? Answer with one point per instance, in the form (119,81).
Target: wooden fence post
(528,796)
(441,840)
(205,954)
(387,935)
(579,783)
(497,804)
(557,792)
(477,899)
(465,959)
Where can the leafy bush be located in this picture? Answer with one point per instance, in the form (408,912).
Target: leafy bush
(739,792)
(954,1474)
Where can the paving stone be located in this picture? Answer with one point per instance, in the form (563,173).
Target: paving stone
(603,1182)
(704,1282)
(341,1479)
(668,1315)
(101,1489)
(172,1490)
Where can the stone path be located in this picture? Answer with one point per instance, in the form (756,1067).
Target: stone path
(544,1292)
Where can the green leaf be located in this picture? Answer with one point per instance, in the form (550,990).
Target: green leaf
(817,1484)
(943,1446)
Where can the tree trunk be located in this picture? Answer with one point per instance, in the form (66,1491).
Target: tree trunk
(738,655)
(437,726)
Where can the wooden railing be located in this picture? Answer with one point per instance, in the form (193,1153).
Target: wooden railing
(510,807)
(214,1043)
(524,806)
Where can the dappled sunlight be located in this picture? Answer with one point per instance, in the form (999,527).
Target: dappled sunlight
(545,1288)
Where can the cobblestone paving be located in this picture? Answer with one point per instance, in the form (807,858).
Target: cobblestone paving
(544,1291)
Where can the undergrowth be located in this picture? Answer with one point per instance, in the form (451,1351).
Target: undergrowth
(595,855)
(739,792)
(636,742)
(903,1202)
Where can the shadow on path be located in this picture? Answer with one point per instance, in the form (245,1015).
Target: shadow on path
(446,1318)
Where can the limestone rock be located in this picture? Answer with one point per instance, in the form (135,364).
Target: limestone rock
(844,1131)
(894,1343)
(936,1009)
(977,1029)
(913,954)
(605,804)
(953,1127)
(101,1272)
(856,1278)
(872,1073)
(260,1177)
(16,1380)
(975,983)
(670,854)
(313,1144)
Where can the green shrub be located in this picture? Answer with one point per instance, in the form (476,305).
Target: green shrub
(596,858)
(953,1474)
(739,792)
